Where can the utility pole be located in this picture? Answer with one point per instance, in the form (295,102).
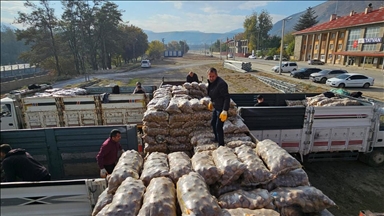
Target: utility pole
(282,43)
(220,48)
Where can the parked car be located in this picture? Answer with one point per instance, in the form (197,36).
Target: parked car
(268,58)
(304,72)
(351,80)
(323,75)
(315,62)
(286,67)
(252,57)
(145,64)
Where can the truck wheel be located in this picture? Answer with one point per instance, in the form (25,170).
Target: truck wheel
(323,80)
(376,158)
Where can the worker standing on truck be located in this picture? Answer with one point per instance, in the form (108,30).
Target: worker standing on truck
(218,92)
(260,101)
(19,164)
(139,89)
(107,156)
(192,77)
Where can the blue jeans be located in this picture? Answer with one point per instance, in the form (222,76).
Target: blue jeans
(217,126)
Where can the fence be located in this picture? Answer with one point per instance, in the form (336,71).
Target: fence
(68,152)
(19,71)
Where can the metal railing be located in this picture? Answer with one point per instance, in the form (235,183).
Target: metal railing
(278,84)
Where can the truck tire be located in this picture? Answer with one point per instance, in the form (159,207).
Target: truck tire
(376,158)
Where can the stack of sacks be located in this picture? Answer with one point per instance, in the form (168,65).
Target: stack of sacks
(177,119)
(58,92)
(321,100)
(125,176)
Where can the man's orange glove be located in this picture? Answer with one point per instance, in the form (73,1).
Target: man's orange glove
(223,116)
(210,106)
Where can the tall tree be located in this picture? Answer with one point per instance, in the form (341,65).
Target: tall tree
(250,26)
(256,29)
(10,47)
(308,19)
(265,25)
(155,49)
(41,20)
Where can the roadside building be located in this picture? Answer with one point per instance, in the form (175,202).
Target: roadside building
(238,47)
(355,39)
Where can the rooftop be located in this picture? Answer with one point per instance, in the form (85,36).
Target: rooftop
(357,19)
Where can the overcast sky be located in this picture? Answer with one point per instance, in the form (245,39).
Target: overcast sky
(163,16)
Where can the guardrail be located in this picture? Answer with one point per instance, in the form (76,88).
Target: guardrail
(278,84)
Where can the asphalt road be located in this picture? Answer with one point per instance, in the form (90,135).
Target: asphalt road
(133,74)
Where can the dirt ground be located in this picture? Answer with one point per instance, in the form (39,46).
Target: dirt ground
(352,185)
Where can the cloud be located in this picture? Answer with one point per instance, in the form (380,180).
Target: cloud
(12,7)
(177,4)
(250,5)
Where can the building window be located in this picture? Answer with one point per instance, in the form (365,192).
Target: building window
(322,57)
(315,56)
(331,46)
(371,32)
(340,46)
(319,37)
(353,36)
(310,46)
(330,56)
(338,57)
(342,35)
(333,35)
(317,47)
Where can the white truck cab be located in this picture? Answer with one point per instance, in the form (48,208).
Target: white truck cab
(8,116)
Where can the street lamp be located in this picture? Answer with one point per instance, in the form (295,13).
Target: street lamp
(282,43)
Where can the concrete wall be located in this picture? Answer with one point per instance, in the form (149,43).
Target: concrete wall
(16,84)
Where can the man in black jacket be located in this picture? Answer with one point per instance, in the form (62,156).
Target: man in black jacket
(260,101)
(19,164)
(218,92)
(192,77)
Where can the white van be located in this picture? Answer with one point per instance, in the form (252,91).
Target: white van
(286,67)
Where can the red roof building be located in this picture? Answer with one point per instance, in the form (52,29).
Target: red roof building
(356,39)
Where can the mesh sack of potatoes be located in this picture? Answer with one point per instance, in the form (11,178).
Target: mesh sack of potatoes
(172,140)
(180,131)
(294,178)
(217,189)
(254,199)
(164,91)
(232,104)
(189,124)
(310,199)
(162,103)
(293,211)
(103,210)
(184,105)
(127,199)
(149,139)
(129,165)
(350,102)
(194,196)
(203,88)
(179,165)
(180,147)
(187,85)
(327,101)
(159,198)
(104,199)
(277,159)
(202,115)
(155,116)
(155,165)
(312,101)
(205,101)
(172,106)
(205,147)
(202,163)
(176,124)
(229,127)
(228,139)
(232,112)
(182,139)
(237,143)
(156,131)
(155,148)
(196,93)
(196,105)
(201,137)
(294,103)
(240,126)
(182,117)
(180,92)
(229,165)
(203,141)
(256,172)
(336,103)
(249,212)
(155,124)
(195,85)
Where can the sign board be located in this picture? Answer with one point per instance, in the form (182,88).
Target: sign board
(370,40)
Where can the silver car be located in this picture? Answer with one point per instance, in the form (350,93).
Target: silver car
(323,75)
